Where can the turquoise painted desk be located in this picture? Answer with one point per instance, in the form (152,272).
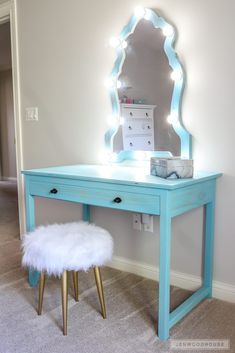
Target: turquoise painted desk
(132,189)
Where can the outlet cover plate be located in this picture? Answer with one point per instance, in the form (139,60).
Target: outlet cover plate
(137,225)
(147,221)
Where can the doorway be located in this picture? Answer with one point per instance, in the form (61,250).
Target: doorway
(9,222)
(11,154)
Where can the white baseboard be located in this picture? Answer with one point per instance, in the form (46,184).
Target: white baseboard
(12,179)
(221,290)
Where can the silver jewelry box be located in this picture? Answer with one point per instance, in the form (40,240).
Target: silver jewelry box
(171,168)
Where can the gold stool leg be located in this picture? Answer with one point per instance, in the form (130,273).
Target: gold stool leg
(99,286)
(41,291)
(75,283)
(64,294)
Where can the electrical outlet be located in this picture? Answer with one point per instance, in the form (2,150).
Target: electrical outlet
(147,221)
(137,221)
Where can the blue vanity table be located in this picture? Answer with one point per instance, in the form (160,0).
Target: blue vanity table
(144,133)
(133,189)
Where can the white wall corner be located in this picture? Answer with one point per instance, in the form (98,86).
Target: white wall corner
(223,291)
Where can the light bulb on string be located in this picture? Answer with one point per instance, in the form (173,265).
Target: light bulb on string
(122,120)
(112,83)
(112,121)
(113,157)
(109,83)
(168,30)
(172,118)
(124,44)
(119,84)
(176,75)
(148,15)
(114,42)
(139,12)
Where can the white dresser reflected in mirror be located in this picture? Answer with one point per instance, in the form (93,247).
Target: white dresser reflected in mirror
(137,129)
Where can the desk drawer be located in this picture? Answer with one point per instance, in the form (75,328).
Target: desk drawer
(123,200)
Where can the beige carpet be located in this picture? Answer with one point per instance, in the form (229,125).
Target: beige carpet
(130,300)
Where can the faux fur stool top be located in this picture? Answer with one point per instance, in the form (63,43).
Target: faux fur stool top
(69,246)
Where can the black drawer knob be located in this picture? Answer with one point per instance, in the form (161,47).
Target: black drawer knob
(117,200)
(53,191)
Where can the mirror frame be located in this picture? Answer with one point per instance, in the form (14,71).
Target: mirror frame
(177,75)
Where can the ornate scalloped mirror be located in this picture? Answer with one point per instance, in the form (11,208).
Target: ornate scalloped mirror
(146,86)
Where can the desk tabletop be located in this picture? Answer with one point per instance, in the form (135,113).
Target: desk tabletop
(119,174)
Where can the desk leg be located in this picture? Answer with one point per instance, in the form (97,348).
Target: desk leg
(164,276)
(30,224)
(209,246)
(86,213)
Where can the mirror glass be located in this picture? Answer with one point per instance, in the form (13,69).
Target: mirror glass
(145,94)
(145,87)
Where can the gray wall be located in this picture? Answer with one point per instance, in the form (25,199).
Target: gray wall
(63,63)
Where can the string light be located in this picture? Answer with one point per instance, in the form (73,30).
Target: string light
(139,12)
(140,155)
(104,156)
(113,157)
(112,83)
(114,42)
(122,120)
(119,84)
(172,118)
(124,44)
(168,30)
(109,82)
(176,75)
(112,120)
(148,15)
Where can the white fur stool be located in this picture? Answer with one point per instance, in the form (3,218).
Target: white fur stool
(58,248)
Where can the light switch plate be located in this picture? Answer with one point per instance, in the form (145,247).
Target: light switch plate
(31,113)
